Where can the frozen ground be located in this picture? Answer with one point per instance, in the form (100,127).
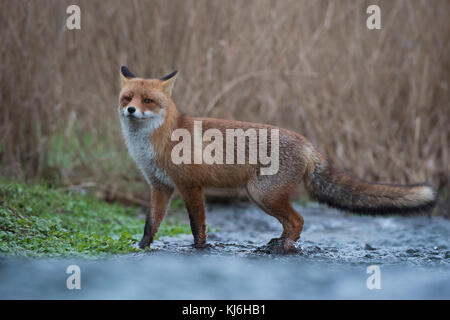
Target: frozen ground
(334,252)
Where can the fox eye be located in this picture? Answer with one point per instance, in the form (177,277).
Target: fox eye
(128,98)
(147,101)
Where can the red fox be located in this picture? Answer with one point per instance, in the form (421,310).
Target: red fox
(149,118)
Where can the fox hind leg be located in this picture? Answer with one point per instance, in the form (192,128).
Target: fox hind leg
(279,206)
(292,222)
(254,196)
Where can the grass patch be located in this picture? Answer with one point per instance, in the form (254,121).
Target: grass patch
(40,221)
(303,201)
(177,204)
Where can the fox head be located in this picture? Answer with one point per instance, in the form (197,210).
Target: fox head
(145,99)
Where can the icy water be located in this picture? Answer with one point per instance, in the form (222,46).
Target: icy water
(335,250)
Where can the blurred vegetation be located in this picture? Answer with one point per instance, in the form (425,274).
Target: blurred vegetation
(377,102)
(40,221)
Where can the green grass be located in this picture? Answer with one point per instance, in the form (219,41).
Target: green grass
(38,221)
(303,201)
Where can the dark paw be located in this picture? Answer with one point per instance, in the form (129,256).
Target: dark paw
(279,246)
(289,246)
(275,241)
(202,245)
(145,242)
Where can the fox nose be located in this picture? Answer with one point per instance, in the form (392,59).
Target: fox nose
(131,109)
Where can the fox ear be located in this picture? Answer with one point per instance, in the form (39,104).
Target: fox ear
(168,82)
(126,74)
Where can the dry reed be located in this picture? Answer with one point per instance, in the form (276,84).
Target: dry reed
(376,102)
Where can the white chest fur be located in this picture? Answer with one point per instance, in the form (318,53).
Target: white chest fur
(138,139)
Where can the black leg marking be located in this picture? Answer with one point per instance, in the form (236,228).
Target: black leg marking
(147,237)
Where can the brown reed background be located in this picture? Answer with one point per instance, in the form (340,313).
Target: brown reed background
(376,102)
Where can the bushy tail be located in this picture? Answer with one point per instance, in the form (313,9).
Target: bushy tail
(336,189)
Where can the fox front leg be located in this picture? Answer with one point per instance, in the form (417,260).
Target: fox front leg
(195,205)
(160,198)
